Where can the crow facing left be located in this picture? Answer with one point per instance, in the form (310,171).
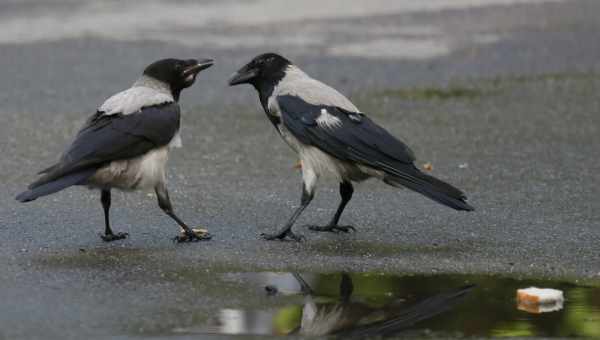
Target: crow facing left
(125,144)
(333,137)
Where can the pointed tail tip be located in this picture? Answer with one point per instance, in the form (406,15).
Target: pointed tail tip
(25,197)
(467,288)
(461,204)
(467,207)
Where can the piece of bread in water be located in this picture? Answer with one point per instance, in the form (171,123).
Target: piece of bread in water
(539,300)
(538,296)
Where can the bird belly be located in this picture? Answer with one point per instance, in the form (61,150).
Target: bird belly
(143,172)
(292,141)
(324,164)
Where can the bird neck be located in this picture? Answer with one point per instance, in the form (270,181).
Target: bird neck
(294,72)
(266,85)
(270,80)
(265,90)
(157,85)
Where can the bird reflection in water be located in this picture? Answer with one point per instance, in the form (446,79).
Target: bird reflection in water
(346,316)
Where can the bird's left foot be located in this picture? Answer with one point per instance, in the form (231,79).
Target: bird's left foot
(332,228)
(193,235)
(283,236)
(113,237)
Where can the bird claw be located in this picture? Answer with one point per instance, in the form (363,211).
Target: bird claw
(194,235)
(282,236)
(113,237)
(332,228)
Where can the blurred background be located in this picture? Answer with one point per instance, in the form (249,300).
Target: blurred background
(397,42)
(499,97)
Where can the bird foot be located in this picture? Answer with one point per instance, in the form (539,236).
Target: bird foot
(194,235)
(332,228)
(113,237)
(282,236)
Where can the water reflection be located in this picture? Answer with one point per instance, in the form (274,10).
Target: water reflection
(342,313)
(359,305)
(349,318)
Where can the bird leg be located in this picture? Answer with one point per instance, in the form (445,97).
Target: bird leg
(346,191)
(286,231)
(108,236)
(304,286)
(346,287)
(188,234)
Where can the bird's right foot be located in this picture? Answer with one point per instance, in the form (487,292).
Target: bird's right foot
(193,235)
(332,228)
(113,237)
(283,236)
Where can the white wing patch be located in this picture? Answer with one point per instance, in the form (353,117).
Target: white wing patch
(328,120)
(134,99)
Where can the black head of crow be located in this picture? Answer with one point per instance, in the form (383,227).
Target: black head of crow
(179,74)
(333,137)
(125,144)
(265,69)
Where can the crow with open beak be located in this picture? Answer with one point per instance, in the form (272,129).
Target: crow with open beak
(125,144)
(333,137)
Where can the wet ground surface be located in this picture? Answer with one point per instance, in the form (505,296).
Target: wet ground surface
(359,305)
(507,110)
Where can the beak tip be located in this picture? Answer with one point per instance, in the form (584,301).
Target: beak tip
(242,77)
(233,80)
(200,65)
(204,64)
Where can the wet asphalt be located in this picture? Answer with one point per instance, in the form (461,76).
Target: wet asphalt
(515,123)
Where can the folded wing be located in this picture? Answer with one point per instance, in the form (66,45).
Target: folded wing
(354,137)
(105,138)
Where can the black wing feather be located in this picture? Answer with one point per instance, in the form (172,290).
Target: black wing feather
(357,139)
(421,311)
(105,138)
(55,185)
(356,130)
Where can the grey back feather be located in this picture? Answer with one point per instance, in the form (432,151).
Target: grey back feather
(297,83)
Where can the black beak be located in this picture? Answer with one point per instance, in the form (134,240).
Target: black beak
(242,76)
(199,66)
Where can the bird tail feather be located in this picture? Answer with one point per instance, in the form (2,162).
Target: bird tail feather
(47,188)
(422,310)
(49,169)
(431,187)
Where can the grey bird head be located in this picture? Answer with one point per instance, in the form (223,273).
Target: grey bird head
(265,69)
(178,74)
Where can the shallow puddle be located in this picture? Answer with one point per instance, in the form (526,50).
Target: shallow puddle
(362,305)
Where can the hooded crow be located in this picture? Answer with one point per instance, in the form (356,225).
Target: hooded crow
(125,144)
(333,137)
